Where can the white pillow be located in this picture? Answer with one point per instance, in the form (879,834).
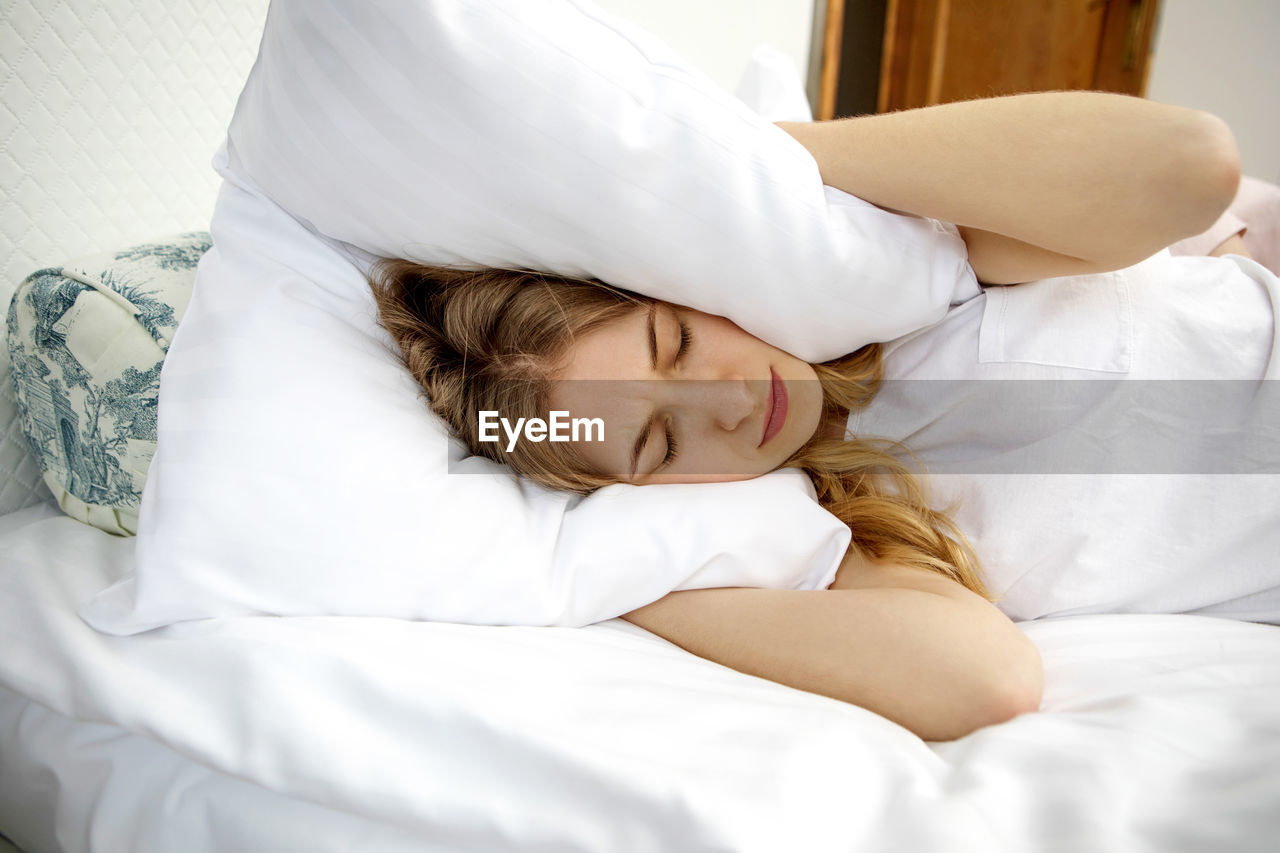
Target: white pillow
(298,471)
(541,134)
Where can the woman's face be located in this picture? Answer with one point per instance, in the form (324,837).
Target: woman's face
(686,397)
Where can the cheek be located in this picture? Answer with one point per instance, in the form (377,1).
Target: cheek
(709,456)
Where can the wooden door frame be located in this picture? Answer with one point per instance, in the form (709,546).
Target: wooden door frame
(831,28)
(1127,34)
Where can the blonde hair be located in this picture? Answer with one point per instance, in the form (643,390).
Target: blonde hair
(491,340)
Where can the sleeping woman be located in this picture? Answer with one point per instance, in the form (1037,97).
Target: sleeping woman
(1039,186)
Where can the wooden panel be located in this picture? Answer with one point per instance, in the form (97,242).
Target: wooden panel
(999,47)
(937,51)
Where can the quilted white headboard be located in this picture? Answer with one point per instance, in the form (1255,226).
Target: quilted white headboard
(110,113)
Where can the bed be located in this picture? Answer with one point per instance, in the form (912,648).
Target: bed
(320,732)
(1156,733)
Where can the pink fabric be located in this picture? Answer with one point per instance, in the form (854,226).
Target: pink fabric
(1255,212)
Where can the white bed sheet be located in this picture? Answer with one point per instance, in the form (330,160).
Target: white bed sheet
(1157,733)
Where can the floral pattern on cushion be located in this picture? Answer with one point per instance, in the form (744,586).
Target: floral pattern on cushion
(86,344)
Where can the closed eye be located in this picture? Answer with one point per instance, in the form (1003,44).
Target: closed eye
(672,449)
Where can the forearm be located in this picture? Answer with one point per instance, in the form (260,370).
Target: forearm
(1100,177)
(940,667)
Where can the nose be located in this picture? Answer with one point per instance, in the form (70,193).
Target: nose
(726,403)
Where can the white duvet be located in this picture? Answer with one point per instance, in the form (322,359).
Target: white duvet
(339,733)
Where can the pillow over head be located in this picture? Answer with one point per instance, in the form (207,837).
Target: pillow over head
(544,135)
(298,470)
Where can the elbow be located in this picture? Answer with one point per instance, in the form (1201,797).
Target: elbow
(1209,173)
(1021,689)
(1012,685)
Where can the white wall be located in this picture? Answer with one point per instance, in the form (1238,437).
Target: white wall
(718,36)
(1224,57)
(110,111)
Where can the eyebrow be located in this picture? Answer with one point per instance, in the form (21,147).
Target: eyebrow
(643,438)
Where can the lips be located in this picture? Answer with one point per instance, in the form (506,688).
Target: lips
(776,414)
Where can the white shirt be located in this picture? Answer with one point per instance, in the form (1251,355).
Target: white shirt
(1133,488)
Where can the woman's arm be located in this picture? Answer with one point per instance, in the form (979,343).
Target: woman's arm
(910,645)
(1051,183)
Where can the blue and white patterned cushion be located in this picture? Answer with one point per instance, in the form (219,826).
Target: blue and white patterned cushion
(86,343)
